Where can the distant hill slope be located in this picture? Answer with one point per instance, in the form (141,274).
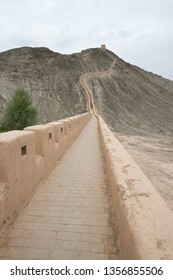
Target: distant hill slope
(131,100)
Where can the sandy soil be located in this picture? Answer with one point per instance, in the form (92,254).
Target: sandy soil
(155,157)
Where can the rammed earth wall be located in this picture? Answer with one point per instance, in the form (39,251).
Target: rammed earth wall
(27,156)
(145,221)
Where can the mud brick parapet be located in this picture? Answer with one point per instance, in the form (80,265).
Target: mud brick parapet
(27,156)
(145,222)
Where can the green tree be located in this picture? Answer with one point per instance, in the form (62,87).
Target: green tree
(20,112)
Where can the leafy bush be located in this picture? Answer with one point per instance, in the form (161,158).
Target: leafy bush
(20,112)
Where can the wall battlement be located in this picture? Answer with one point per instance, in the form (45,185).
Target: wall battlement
(27,156)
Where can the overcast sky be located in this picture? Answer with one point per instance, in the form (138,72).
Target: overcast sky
(139,31)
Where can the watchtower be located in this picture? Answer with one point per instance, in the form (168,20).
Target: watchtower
(103,46)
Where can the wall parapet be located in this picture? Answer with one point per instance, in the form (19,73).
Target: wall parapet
(144,219)
(27,156)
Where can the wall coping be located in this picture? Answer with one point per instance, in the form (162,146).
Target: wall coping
(145,221)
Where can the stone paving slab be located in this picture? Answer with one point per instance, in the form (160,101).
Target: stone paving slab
(70,214)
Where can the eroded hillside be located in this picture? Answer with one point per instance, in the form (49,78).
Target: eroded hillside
(131,100)
(52,78)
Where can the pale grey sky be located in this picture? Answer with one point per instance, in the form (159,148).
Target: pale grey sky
(139,31)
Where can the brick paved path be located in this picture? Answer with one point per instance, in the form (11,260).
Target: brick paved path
(70,215)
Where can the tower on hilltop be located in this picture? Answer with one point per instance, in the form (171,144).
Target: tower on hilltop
(103,46)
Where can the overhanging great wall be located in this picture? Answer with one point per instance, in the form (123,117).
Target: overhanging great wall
(143,218)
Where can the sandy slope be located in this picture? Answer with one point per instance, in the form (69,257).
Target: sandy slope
(155,157)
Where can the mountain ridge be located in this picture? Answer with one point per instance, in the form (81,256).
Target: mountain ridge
(54,81)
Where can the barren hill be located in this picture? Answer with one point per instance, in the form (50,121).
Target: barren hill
(52,78)
(131,100)
(136,104)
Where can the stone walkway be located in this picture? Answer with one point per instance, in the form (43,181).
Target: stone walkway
(70,214)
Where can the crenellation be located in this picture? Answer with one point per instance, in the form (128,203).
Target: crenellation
(27,156)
